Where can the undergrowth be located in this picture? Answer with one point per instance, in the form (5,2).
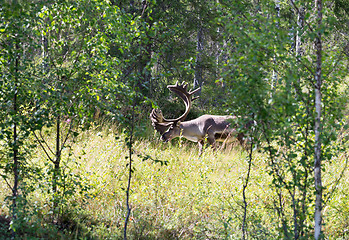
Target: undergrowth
(175,194)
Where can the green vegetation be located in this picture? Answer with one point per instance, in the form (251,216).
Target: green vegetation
(79,158)
(186,197)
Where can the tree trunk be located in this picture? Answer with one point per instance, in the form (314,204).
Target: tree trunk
(318,99)
(275,75)
(244,187)
(198,67)
(130,150)
(44,53)
(15,144)
(300,23)
(56,163)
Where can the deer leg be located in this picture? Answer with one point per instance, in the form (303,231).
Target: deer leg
(241,139)
(212,140)
(201,145)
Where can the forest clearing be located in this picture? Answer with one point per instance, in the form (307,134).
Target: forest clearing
(110,114)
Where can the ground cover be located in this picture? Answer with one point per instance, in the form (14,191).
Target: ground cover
(175,194)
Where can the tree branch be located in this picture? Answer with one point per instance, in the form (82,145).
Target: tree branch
(42,146)
(299,12)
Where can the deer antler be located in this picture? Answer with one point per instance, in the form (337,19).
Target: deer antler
(159,122)
(182,92)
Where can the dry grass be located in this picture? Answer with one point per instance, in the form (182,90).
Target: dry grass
(189,197)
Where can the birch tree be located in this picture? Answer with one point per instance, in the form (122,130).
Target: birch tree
(17,84)
(318,123)
(296,131)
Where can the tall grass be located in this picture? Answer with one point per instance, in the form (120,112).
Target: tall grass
(175,194)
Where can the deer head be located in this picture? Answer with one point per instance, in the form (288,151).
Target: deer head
(169,128)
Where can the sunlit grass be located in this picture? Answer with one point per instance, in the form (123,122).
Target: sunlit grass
(175,193)
(186,196)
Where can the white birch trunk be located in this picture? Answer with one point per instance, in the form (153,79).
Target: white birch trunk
(318,99)
(198,67)
(275,76)
(300,23)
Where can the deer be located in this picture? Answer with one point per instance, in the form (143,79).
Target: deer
(214,128)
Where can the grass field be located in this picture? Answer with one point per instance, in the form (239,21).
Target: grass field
(180,196)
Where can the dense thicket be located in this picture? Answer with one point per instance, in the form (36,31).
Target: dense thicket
(66,64)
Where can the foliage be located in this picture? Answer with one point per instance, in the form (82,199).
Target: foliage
(68,65)
(190,197)
(279,83)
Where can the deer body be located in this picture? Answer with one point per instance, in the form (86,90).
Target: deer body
(213,127)
(201,127)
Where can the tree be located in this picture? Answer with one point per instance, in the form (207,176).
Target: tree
(318,122)
(259,46)
(17,107)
